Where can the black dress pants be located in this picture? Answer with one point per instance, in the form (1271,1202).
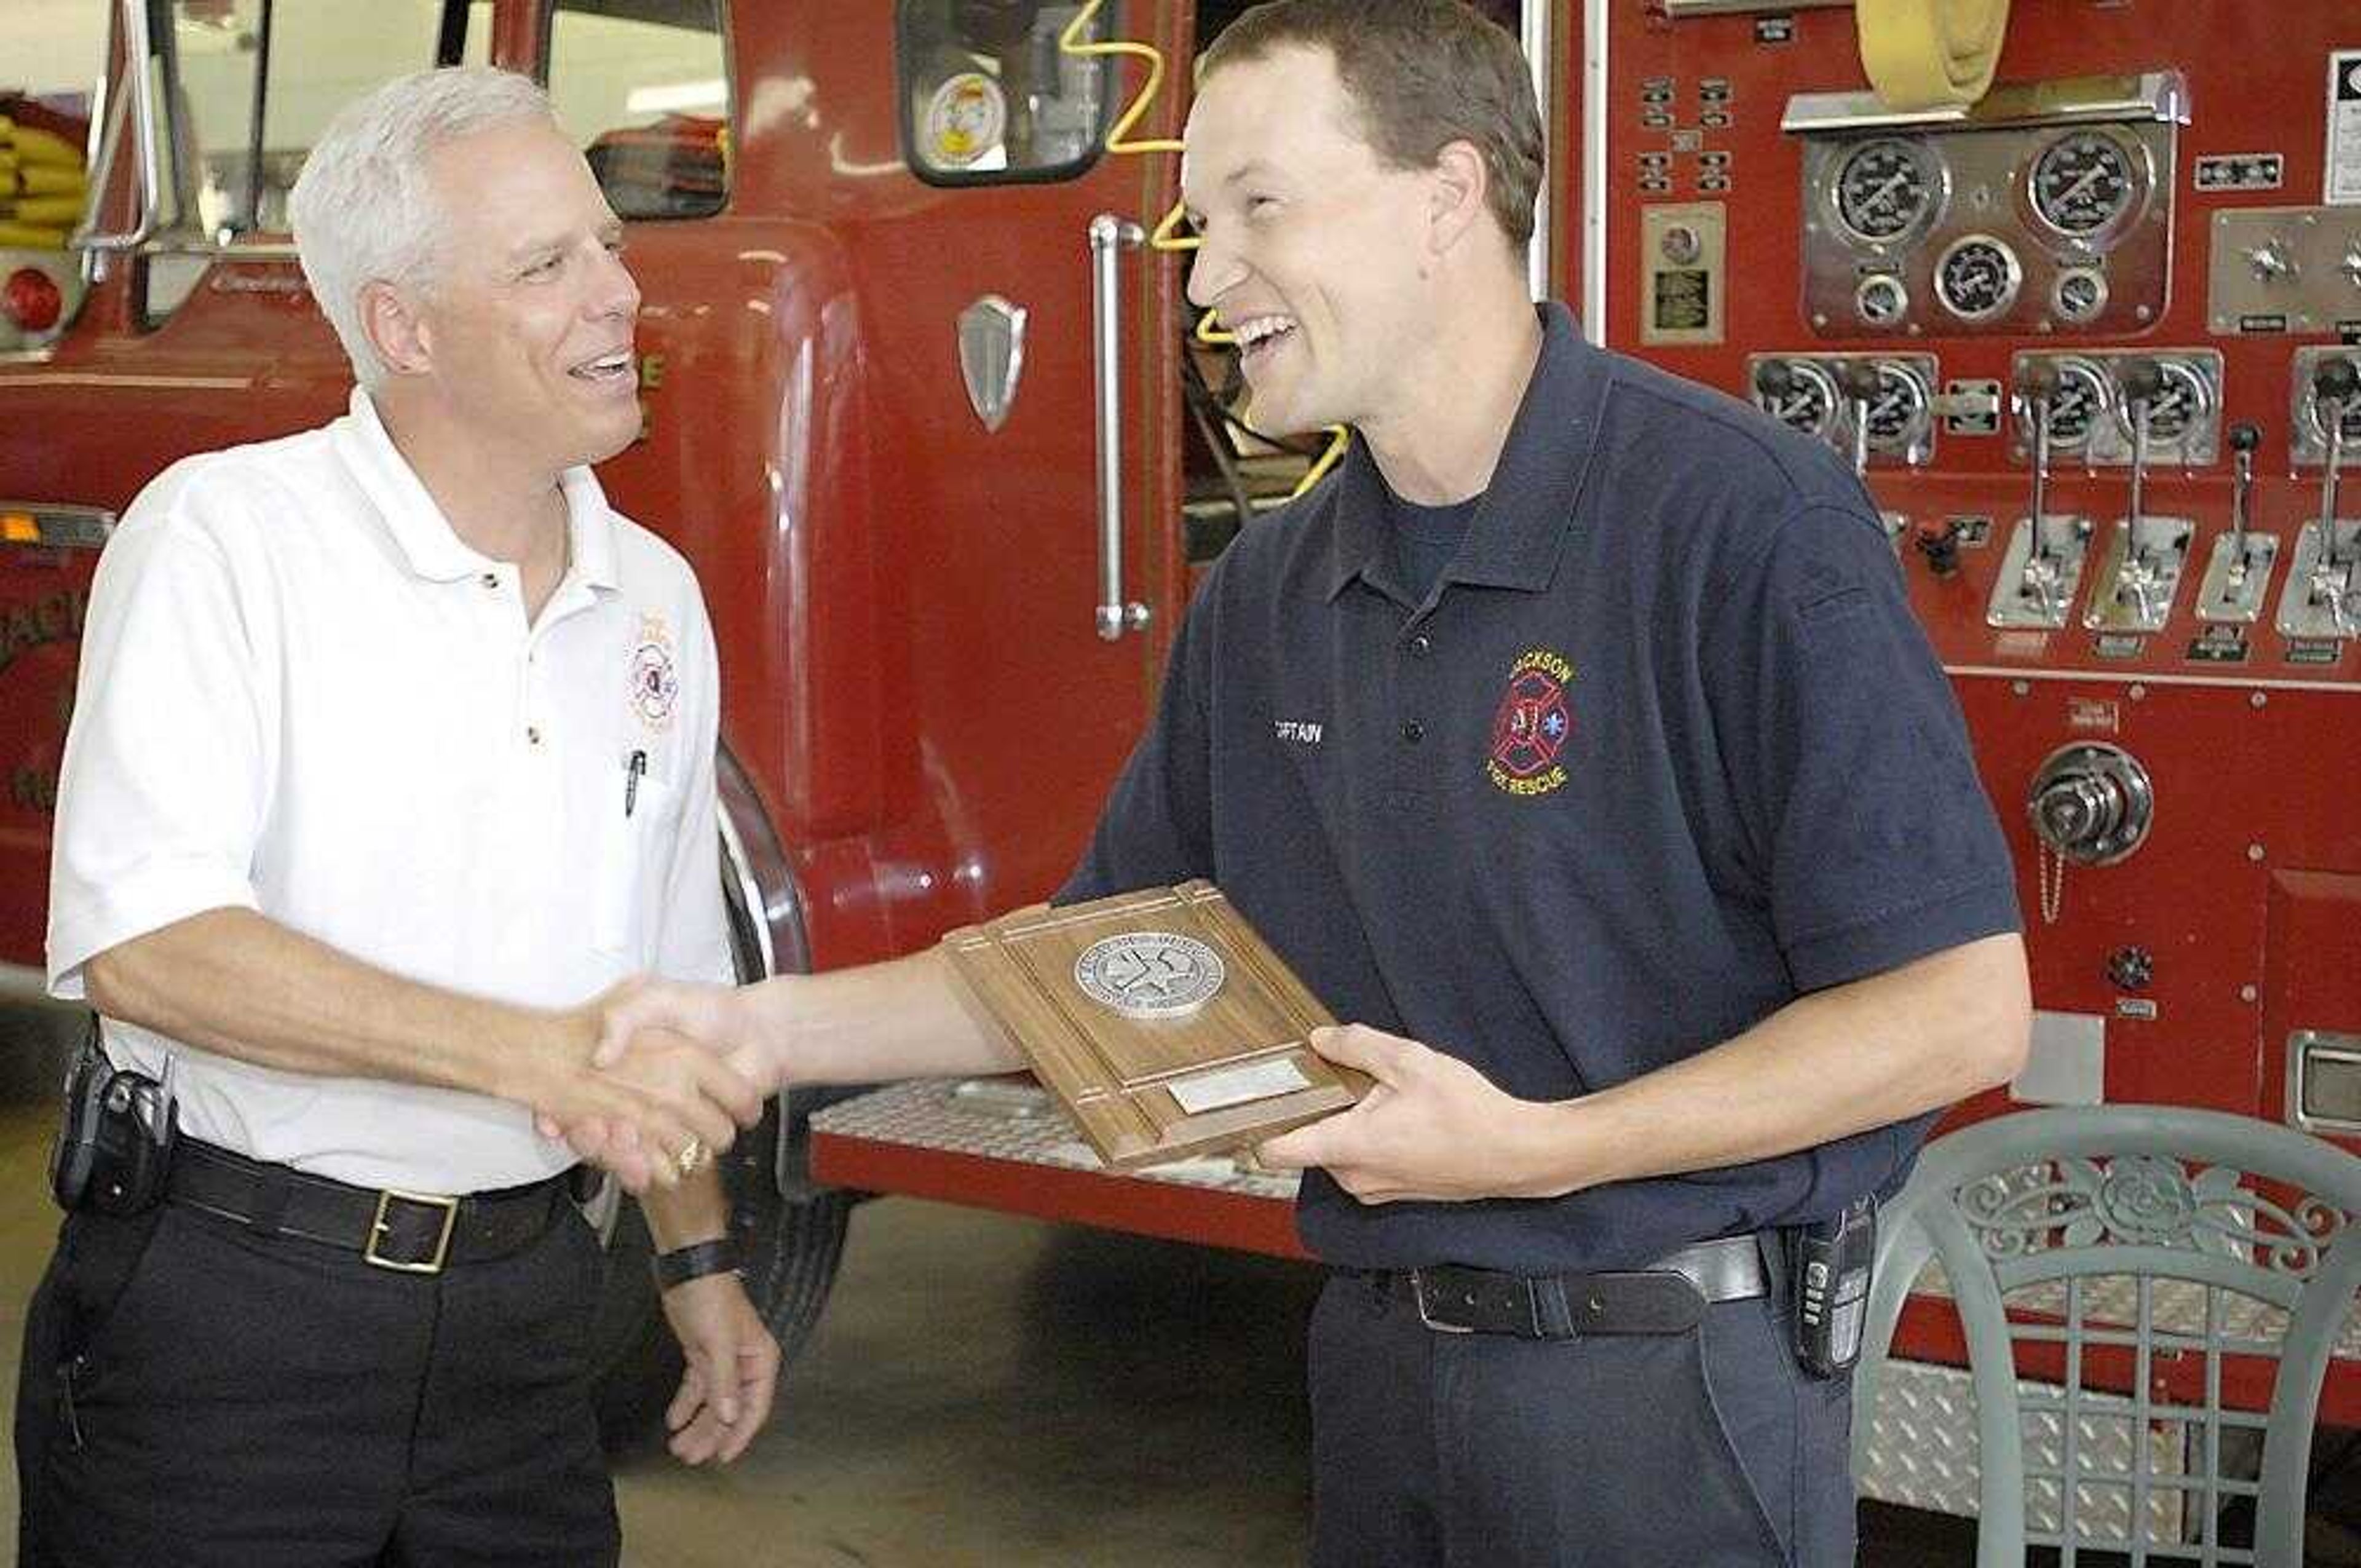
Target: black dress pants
(1709,1449)
(193,1396)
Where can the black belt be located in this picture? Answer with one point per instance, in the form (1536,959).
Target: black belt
(1668,1297)
(411,1233)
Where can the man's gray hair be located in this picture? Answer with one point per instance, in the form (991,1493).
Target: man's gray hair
(362,210)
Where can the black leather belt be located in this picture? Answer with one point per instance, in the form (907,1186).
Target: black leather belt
(1668,1297)
(411,1233)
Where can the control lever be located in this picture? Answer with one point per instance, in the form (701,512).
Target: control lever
(2047,572)
(2333,386)
(2037,386)
(2244,438)
(2323,591)
(2240,570)
(1858,379)
(2141,380)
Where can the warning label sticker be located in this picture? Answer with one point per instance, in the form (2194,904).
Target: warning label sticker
(2342,185)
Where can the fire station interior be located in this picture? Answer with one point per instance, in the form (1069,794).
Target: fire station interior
(2089,333)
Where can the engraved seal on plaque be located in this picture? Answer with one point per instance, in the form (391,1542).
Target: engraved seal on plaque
(1150,974)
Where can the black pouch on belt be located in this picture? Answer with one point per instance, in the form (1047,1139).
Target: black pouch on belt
(114,1145)
(1829,1276)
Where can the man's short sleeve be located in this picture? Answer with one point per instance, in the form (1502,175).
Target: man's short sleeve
(165,781)
(1859,797)
(1157,826)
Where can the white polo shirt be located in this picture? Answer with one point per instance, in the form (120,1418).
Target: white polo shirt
(301,693)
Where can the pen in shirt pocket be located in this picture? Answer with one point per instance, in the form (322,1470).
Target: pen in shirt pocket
(632,770)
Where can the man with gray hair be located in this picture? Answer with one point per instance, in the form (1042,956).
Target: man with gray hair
(393,750)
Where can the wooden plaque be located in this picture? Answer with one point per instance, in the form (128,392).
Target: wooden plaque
(1162,1021)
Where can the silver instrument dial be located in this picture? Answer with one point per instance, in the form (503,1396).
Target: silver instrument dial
(2181,404)
(1884,189)
(1881,300)
(2317,417)
(2079,403)
(2084,182)
(1899,414)
(2078,295)
(1977,278)
(1811,402)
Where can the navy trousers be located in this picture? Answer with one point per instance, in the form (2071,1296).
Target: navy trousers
(1709,1449)
(192,1394)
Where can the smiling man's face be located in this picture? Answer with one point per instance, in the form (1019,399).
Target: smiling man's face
(530,312)
(1311,246)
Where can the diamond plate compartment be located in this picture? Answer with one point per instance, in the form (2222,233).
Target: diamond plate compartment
(1922,1454)
(1015,1119)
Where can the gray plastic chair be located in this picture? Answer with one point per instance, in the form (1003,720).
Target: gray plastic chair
(2129,1234)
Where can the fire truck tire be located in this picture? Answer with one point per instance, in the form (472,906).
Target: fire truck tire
(789,1248)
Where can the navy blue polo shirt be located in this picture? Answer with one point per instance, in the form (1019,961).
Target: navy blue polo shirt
(1661,750)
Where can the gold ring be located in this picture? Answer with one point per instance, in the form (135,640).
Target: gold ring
(691,1156)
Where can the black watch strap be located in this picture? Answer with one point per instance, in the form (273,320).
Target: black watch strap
(695,1261)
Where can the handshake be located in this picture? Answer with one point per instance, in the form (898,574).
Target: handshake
(653,1078)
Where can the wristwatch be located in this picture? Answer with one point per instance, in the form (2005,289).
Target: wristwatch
(695,1261)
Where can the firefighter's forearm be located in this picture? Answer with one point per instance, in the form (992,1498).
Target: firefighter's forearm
(908,1017)
(238,984)
(1836,1062)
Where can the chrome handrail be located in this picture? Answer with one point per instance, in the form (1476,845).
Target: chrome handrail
(1110,237)
(139,51)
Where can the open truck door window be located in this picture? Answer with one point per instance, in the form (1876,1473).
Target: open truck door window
(243,88)
(643,88)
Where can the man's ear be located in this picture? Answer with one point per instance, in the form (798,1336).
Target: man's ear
(391,320)
(1461,184)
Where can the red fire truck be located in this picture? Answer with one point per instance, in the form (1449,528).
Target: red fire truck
(926,407)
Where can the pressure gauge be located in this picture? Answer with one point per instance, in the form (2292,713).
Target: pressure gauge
(2181,404)
(2317,418)
(1881,300)
(1804,401)
(2084,182)
(2078,405)
(1977,278)
(1900,414)
(1886,189)
(2078,295)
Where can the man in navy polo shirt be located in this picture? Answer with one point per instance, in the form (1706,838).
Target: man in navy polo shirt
(1577,742)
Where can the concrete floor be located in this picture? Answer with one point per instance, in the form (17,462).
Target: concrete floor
(958,1404)
(983,1390)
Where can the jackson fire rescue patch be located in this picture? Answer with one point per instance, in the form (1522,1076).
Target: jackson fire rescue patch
(656,674)
(1533,725)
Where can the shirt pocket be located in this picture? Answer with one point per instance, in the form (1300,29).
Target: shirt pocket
(634,845)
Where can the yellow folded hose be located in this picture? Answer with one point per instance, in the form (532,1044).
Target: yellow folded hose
(44,180)
(41,212)
(31,236)
(36,146)
(1930,54)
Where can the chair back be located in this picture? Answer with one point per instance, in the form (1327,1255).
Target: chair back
(2150,1298)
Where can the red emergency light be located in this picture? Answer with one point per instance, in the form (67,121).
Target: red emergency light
(31,300)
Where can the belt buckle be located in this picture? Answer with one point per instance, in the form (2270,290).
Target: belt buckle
(1418,1295)
(450,1207)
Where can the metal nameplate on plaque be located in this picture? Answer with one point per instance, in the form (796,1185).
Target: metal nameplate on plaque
(1160,1020)
(1228,1086)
